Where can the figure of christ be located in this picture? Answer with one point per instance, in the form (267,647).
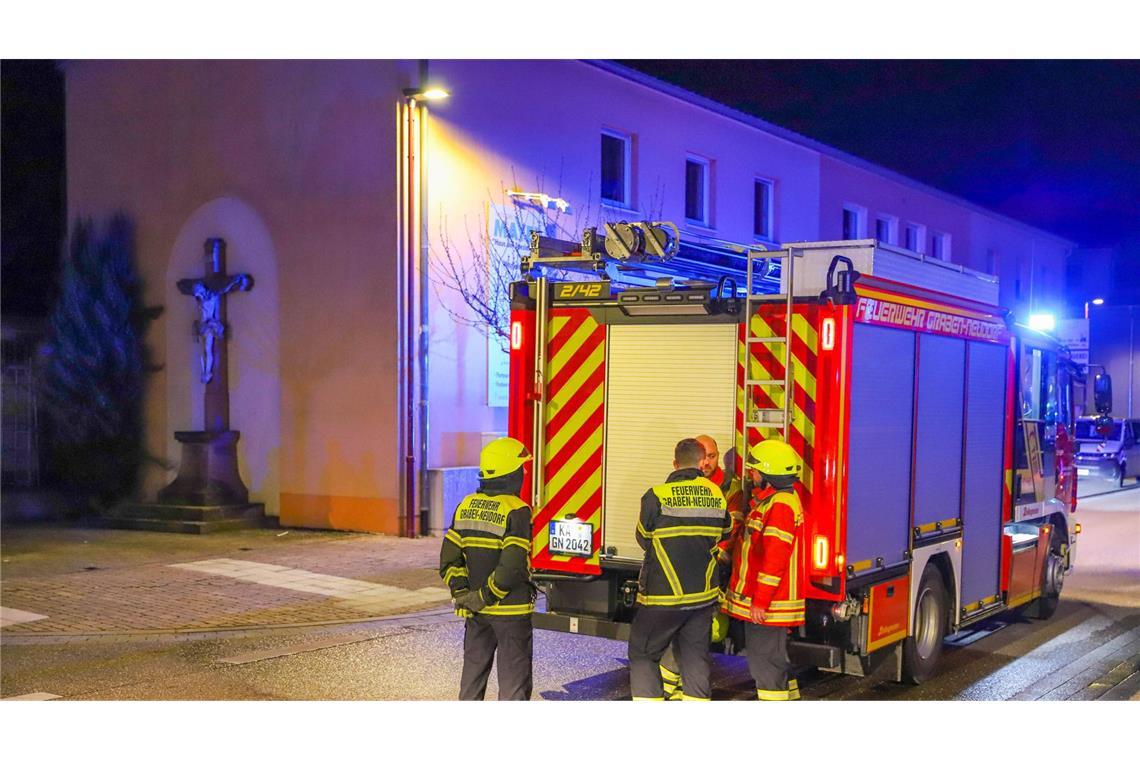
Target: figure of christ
(210,327)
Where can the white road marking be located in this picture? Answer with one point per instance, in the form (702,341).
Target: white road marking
(9,616)
(37,696)
(361,596)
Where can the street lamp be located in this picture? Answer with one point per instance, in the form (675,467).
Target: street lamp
(426,93)
(1098,301)
(414,287)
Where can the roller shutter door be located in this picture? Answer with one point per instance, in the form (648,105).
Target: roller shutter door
(664,383)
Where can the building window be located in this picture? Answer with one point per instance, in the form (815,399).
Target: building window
(762,209)
(617,155)
(915,239)
(887,229)
(991,261)
(854,222)
(697,190)
(940,246)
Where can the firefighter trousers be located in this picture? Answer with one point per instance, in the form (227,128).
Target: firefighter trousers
(653,630)
(512,638)
(766,649)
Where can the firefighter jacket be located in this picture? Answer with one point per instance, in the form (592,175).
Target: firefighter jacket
(487,549)
(734,495)
(766,566)
(680,524)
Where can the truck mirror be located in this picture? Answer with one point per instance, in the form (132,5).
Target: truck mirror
(1102,393)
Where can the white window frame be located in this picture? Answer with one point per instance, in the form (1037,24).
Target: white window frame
(919,237)
(770,211)
(706,196)
(892,228)
(627,180)
(860,221)
(944,255)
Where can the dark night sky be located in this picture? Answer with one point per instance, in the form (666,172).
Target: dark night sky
(1055,144)
(1052,143)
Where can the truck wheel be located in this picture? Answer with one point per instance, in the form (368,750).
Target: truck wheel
(922,650)
(1052,576)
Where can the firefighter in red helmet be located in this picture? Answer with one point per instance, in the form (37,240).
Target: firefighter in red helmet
(765,588)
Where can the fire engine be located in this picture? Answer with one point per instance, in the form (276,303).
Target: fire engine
(939,479)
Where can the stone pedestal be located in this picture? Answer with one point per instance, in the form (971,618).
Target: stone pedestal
(208,474)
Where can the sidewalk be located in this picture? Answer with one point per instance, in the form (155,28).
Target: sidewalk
(68,580)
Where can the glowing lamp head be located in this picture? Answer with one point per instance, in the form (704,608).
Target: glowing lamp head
(1098,302)
(426,93)
(1042,322)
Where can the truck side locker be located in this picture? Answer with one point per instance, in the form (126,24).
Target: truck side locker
(983,477)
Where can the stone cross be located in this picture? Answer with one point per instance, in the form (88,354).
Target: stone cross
(210,292)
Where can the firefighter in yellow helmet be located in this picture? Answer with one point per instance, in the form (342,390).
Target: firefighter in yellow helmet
(766,590)
(679,525)
(485,561)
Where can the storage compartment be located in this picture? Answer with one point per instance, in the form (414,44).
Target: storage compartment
(938,439)
(888,613)
(664,382)
(878,496)
(1027,547)
(982,496)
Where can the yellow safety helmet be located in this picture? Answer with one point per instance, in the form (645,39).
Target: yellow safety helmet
(774,458)
(502,457)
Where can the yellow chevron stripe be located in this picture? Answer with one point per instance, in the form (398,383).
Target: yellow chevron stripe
(807,333)
(557,361)
(588,407)
(556,325)
(576,461)
(576,379)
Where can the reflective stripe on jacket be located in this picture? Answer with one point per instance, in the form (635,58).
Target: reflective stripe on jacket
(766,566)
(487,548)
(680,524)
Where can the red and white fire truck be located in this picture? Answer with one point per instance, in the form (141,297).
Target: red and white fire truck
(939,479)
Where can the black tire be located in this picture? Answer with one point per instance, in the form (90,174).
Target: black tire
(1046,604)
(922,651)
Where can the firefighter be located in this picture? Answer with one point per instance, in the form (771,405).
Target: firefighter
(730,487)
(680,524)
(485,561)
(764,590)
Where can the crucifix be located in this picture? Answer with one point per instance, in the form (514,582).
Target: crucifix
(208,473)
(210,330)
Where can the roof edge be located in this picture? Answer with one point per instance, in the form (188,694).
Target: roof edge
(803,141)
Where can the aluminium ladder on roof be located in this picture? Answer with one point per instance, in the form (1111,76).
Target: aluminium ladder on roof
(764,418)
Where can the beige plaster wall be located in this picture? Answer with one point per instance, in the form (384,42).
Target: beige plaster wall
(295,163)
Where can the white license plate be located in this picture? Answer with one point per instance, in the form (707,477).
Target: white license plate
(1082,471)
(571,537)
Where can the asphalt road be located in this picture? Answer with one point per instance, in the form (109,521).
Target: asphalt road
(1090,649)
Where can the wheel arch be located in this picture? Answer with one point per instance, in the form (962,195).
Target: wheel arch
(946,557)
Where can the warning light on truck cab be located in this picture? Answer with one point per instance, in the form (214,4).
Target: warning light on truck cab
(820,553)
(516,335)
(827,334)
